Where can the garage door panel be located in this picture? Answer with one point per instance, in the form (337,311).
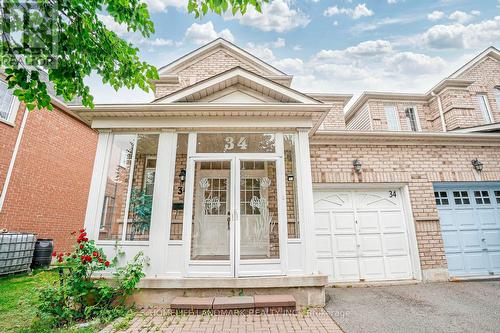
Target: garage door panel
(376,199)
(370,245)
(345,245)
(325,266)
(322,222)
(324,245)
(395,244)
(372,268)
(465,218)
(347,269)
(495,261)
(476,263)
(489,217)
(448,221)
(398,267)
(344,222)
(330,200)
(392,221)
(451,240)
(456,262)
(492,239)
(471,240)
(368,221)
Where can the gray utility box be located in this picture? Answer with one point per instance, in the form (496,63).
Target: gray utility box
(16,252)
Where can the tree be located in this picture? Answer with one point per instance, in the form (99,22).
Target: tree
(66,39)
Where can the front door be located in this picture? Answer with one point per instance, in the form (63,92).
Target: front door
(234,225)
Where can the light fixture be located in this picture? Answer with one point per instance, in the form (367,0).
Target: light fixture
(477,164)
(290,177)
(182,176)
(357,165)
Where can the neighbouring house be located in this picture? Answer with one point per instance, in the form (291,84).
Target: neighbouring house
(46,160)
(231,180)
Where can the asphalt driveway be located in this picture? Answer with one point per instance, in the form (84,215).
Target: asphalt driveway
(426,307)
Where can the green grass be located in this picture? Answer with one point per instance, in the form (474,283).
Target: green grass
(18,304)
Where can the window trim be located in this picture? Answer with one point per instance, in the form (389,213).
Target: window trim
(396,112)
(14,108)
(496,93)
(483,97)
(417,118)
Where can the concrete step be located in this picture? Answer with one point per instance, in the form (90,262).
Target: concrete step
(242,304)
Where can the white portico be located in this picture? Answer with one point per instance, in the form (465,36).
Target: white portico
(212,180)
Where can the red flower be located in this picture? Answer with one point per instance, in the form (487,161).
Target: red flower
(60,259)
(82,230)
(106,264)
(60,255)
(81,247)
(54,253)
(85,239)
(100,260)
(95,254)
(89,258)
(73,233)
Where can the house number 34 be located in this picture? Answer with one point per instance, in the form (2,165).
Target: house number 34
(230,143)
(392,194)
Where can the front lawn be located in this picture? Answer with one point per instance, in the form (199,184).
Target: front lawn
(18,304)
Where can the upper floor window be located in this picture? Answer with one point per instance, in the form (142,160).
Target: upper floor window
(411,118)
(391,113)
(497,97)
(485,109)
(8,103)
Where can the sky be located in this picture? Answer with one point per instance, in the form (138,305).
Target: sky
(343,46)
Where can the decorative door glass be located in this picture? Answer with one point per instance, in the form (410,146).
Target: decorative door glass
(259,232)
(210,234)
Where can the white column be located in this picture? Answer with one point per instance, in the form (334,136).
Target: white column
(306,201)
(94,201)
(159,233)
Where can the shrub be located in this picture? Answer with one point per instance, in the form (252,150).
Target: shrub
(77,296)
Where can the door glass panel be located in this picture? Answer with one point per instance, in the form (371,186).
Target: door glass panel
(259,232)
(210,229)
(235,143)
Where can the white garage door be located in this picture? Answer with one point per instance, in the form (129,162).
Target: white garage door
(362,235)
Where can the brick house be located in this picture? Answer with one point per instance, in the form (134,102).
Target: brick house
(46,160)
(230,180)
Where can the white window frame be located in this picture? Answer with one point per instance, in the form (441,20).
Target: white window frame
(417,118)
(497,96)
(396,114)
(14,107)
(483,101)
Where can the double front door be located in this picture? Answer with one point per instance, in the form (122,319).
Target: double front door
(234,225)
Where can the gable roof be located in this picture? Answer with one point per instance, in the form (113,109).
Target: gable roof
(218,44)
(237,75)
(489,52)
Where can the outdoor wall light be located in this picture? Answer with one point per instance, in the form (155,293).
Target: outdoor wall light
(290,177)
(182,176)
(357,165)
(477,164)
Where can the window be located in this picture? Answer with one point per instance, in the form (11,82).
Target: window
(8,103)
(250,189)
(482,197)
(461,197)
(129,187)
(391,113)
(497,97)
(441,198)
(485,109)
(497,196)
(411,118)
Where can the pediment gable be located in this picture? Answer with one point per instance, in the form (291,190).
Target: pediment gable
(237,85)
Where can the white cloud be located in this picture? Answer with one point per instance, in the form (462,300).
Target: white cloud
(276,16)
(161,5)
(111,24)
(461,17)
(297,47)
(290,65)
(278,43)
(261,51)
(359,11)
(435,15)
(459,36)
(369,48)
(204,33)
(411,63)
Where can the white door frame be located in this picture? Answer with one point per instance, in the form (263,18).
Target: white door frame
(233,267)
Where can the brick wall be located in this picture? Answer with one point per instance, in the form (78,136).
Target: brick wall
(418,166)
(49,186)
(335,119)
(379,118)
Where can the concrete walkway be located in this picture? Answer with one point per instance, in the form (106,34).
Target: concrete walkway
(317,320)
(425,307)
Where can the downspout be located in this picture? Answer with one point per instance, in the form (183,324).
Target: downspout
(441,114)
(13,158)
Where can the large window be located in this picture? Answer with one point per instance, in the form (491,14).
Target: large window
(485,108)
(391,113)
(129,188)
(497,97)
(411,118)
(8,103)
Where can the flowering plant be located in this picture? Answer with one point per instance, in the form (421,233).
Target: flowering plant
(79,296)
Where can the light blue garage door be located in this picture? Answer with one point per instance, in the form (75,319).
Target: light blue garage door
(470,224)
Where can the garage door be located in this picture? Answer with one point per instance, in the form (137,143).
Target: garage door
(470,224)
(362,235)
